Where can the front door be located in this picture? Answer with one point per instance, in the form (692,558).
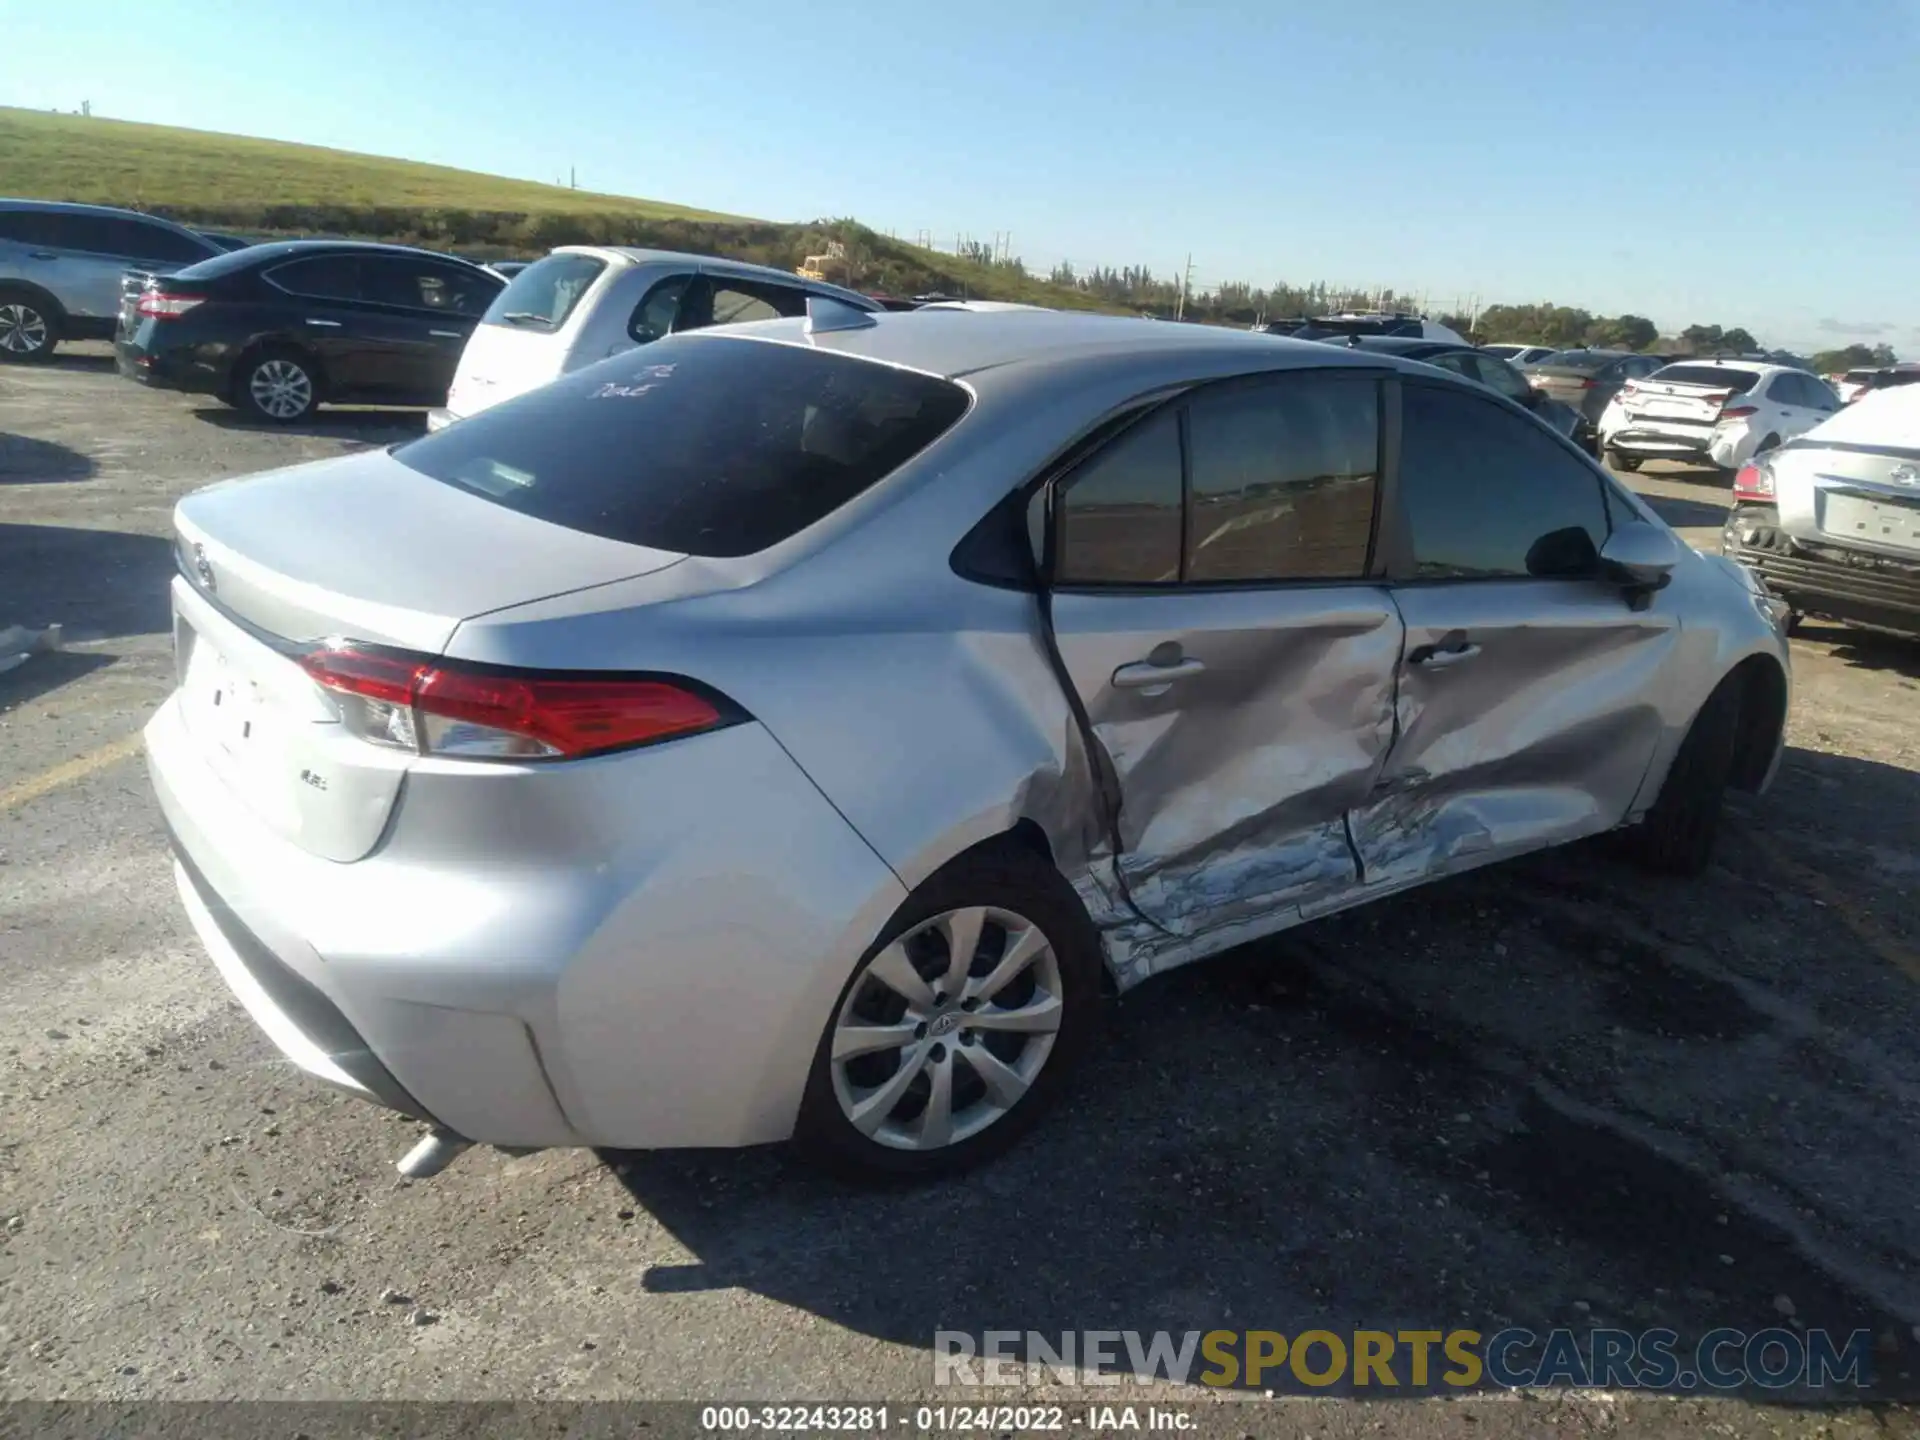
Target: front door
(1526,711)
(1214,609)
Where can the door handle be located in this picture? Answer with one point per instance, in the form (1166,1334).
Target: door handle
(1145,675)
(329,324)
(448,334)
(1432,657)
(42,255)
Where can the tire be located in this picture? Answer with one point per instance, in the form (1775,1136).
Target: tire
(1629,463)
(29,328)
(1795,619)
(279,387)
(1677,835)
(1008,887)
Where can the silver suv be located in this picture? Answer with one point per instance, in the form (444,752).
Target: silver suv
(60,269)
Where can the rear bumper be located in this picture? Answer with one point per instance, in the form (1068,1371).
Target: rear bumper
(1824,579)
(1727,446)
(170,369)
(640,953)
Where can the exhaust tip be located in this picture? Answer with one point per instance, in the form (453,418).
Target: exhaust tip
(437,1150)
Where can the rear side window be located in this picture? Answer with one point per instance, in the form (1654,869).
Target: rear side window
(425,284)
(707,446)
(1489,495)
(657,313)
(320,277)
(1738,382)
(1283,479)
(543,295)
(1119,516)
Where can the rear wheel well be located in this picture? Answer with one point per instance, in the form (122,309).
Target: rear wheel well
(25,290)
(1763,714)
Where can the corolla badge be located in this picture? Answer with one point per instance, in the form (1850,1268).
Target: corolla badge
(203,568)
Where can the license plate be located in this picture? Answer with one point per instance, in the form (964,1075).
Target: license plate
(1674,409)
(1848,517)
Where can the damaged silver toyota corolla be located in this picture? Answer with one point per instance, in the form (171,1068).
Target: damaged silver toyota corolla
(790,730)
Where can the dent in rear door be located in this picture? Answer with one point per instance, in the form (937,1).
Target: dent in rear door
(1245,712)
(1526,710)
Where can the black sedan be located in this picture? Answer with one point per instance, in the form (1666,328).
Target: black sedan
(278,329)
(1481,368)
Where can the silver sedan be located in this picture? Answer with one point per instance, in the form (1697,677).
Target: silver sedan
(796,730)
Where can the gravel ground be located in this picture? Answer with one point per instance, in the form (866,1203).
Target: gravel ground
(1557,1093)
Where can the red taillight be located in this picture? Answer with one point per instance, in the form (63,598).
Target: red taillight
(1754,482)
(1586,384)
(1717,397)
(160,305)
(1738,412)
(414,703)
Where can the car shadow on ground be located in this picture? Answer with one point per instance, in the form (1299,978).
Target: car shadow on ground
(373,427)
(68,359)
(1559,1092)
(96,583)
(1865,649)
(26,461)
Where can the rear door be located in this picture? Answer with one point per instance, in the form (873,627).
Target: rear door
(324,313)
(422,310)
(1214,608)
(1525,697)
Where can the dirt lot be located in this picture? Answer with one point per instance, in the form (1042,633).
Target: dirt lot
(1555,1094)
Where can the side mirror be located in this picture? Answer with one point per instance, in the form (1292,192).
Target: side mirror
(1640,557)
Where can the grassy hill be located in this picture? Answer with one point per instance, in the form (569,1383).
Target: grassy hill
(234,182)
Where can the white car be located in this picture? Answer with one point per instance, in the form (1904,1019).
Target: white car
(582,303)
(1521,354)
(1714,412)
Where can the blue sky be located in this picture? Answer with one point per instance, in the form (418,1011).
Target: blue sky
(1751,162)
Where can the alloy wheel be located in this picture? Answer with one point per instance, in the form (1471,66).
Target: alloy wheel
(946,1028)
(23,329)
(281,389)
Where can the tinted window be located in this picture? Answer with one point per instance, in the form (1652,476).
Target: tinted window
(1487,494)
(724,301)
(1584,361)
(320,277)
(1119,517)
(709,446)
(159,242)
(543,295)
(1283,474)
(1501,377)
(29,227)
(1719,377)
(425,285)
(95,234)
(654,316)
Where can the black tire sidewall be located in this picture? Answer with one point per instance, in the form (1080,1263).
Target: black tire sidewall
(1014,878)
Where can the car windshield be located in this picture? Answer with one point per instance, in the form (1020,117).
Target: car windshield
(708,446)
(543,295)
(1720,377)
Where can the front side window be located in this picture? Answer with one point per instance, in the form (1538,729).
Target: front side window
(425,285)
(1501,378)
(697,444)
(1118,521)
(1487,495)
(543,295)
(658,310)
(1284,473)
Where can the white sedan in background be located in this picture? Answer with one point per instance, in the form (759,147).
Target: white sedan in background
(1715,412)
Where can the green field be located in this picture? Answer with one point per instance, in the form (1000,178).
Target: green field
(271,187)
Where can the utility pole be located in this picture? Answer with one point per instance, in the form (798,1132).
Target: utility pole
(573,178)
(1186,284)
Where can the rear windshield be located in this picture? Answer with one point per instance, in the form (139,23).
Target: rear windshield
(1719,377)
(709,445)
(1585,360)
(541,296)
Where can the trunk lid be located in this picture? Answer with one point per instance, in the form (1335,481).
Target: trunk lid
(1563,383)
(361,548)
(1684,403)
(501,361)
